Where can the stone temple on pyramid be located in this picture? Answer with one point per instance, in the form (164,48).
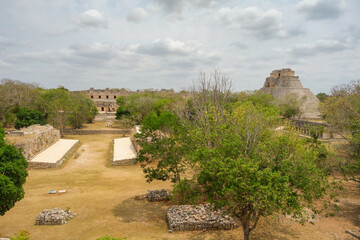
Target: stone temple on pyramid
(283,84)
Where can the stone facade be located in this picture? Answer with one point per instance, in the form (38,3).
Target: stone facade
(200,217)
(105,99)
(34,139)
(283,83)
(54,216)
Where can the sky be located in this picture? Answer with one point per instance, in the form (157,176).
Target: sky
(141,44)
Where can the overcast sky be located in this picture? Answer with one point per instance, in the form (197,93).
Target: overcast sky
(140,44)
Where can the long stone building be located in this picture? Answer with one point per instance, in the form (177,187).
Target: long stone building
(105,99)
(283,83)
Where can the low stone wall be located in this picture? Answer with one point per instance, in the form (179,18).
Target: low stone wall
(92,132)
(200,217)
(103,116)
(123,162)
(34,139)
(54,216)
(158,195)
(58,163)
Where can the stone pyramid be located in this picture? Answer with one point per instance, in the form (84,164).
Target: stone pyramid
(283,83)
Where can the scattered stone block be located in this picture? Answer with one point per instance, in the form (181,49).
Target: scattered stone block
(54,216)
(158,195)
(62,191)
(199,217)
(52,192)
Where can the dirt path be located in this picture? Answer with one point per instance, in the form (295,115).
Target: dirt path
(103,199)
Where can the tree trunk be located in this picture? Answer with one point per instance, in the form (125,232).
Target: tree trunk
(246,228)
(246,233)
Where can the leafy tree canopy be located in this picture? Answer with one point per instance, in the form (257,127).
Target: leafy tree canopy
(236,157)
(26,117)
(138,105)
(341,109)
(13,174)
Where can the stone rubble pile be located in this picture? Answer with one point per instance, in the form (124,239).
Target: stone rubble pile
(54,216)
(158,195)
(199,217)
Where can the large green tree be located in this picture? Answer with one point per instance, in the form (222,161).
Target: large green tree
(254,171)
(15,94)
(162,152)
(13,174)
(63,108)
(236,156)
(82,110)
(138,105)
(341,109)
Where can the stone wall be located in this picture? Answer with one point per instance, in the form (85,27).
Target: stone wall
(104,117)
(58,163)
(123,162)
(34,139)
(200,217)
(92,132)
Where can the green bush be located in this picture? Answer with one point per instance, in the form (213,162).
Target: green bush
(27,117)
(23,235)
(186,192)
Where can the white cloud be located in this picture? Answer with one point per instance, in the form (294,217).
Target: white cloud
(137,15)
(176,8)
(4,64)
(168,46)
(254,22)
(321,9)
(321,46)
(92,18)
(179,5)
(6,42)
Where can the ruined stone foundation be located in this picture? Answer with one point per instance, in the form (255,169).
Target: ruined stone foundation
(34,139)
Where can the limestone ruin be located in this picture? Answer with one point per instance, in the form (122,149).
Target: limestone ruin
(54,216)
(105,99)
(283,83)
(199,217)
(42,146)
(158,195)
(33,139)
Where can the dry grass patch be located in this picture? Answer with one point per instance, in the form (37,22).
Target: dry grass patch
(103,198)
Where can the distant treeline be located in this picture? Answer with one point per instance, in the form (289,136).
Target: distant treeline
(24,104)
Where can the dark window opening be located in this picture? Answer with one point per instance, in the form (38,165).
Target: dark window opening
(114,97)
(107,96)
(92,96)
(102,109)
(99,96)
